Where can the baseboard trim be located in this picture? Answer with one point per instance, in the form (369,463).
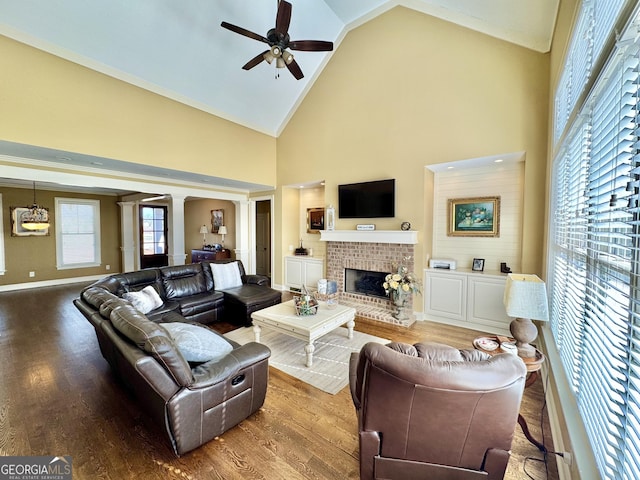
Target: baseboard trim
(49,283)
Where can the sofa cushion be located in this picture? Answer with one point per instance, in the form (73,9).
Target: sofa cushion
(183,280)
(226,275)
(197,344)
(145,300)
(153,339)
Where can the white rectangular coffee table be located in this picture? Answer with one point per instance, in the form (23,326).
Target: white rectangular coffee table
(283,318)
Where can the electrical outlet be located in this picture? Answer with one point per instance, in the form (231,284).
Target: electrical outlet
(32,274)
(567,458)
(108,267)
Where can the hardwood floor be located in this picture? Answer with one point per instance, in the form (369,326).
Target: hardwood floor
(58,397)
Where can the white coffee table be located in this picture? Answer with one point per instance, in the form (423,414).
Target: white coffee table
(283,318)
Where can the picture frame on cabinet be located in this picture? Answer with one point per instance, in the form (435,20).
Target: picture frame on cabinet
(478,265)
(217,220)
(315,220)
(473,217)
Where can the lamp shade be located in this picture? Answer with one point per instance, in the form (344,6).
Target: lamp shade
(222,230)
(525,296)
(204,229)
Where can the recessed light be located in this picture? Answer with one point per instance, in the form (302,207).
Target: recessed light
(498,160)
(96,163)
(450,168)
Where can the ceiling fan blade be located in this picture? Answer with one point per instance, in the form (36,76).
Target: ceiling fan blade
(283,17)
(311,45)
(244,31)
(254,61)
(294,68)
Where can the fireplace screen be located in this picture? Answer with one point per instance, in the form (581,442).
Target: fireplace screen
(364,282)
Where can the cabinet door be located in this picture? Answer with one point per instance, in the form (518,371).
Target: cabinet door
(293,272)
(314,272)
(445,296)
(486,302)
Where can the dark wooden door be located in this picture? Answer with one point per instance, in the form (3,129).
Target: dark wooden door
(153,236)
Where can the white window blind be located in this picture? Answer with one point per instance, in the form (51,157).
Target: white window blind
(594,260)
(591,33)
(77,233)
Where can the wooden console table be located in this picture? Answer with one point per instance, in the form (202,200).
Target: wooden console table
(200,255)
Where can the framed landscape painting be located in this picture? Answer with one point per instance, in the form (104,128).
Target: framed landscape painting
(474,217)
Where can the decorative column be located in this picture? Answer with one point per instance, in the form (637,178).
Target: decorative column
(128,222)
(242,250)
(177,254)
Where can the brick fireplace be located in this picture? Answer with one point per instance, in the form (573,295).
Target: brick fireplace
(361,251)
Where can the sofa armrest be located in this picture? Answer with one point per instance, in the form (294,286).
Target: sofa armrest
(214,372)
(256,279)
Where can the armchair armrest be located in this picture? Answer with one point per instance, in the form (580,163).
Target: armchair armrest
(256,279)
(214,372)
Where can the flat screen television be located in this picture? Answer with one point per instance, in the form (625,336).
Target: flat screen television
(367,199)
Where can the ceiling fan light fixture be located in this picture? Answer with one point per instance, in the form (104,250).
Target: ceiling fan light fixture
(287,57)
(280,63)
(268,57)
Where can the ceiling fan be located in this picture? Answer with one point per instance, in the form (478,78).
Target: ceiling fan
(278,39)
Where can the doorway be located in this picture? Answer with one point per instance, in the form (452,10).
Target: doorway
(153,236)
(263,237)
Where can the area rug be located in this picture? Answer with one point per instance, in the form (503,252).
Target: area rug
(330,369)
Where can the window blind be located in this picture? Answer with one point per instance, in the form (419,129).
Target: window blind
(595,251)
(77,233)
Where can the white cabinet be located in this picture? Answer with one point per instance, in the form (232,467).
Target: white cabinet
(466,298)
(301,270)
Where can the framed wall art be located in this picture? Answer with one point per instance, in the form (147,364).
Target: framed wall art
(474,217)
(217,220)
(16,225)
(315,220)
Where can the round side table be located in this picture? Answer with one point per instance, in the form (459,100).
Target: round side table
(533,364)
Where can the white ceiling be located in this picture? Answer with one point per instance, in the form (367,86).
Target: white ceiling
(178,49)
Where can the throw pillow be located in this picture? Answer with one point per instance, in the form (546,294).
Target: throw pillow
(197,344)
(226,275)
(145,300)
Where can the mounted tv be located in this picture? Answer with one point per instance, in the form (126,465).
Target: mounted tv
(367,200)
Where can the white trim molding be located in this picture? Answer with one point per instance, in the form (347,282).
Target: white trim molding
(370,236)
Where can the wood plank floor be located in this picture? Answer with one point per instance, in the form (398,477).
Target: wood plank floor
(58,397)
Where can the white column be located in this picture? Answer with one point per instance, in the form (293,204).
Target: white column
(177,254)
(243,251)
(128,236)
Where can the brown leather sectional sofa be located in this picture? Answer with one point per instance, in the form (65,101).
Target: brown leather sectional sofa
(191,401)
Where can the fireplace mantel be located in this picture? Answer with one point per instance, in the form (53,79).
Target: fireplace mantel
(370,236)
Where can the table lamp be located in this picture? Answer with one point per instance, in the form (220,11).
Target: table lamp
(222,230)
(204,231)
(525,297)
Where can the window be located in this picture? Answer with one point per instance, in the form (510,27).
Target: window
(594,249)
(77,233)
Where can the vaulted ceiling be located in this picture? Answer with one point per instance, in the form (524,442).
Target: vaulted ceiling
(178,49)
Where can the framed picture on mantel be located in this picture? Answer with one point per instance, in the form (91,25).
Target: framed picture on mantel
(315,220)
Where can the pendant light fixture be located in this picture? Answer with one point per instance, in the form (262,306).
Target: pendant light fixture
(36,217)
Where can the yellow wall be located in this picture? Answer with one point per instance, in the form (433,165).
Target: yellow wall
(50,102)
(38,254)
(407,90)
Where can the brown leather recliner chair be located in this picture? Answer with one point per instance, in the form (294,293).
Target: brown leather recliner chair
(431,411)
